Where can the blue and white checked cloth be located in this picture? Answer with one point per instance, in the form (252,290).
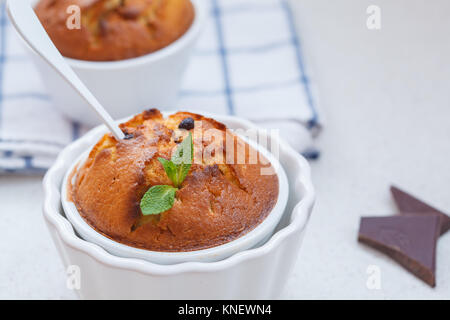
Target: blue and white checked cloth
(248,63)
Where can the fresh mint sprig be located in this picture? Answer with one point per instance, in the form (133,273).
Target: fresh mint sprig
(161,198)
(178,166)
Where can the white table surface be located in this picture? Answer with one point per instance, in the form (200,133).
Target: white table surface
(386,98)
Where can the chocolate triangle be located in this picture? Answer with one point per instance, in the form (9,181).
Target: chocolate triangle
(408,204)
(408,239)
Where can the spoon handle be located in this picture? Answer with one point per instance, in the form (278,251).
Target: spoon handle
(31,30)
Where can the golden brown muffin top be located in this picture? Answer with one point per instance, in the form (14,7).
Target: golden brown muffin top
(215,204)
(115,29)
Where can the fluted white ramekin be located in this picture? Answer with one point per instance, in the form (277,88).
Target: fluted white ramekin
(260,234)
(258,273)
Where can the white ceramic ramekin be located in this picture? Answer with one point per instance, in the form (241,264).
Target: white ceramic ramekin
(258,273)
(258,235)
(128,86)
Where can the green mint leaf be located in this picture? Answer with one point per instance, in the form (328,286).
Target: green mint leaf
(182,172)
(170,168)
(181,161)
(161,198)
(158,199)
(185,151)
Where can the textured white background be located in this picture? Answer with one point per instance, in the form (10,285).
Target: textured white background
(386,98)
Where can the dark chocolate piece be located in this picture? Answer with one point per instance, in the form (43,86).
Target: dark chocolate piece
(187,123)
(408,239)
(408,204)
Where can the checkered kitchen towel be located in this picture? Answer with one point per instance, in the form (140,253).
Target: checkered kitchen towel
(248,63)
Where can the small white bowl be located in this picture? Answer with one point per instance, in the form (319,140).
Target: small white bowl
(127,86)
(257,273)
(255,237)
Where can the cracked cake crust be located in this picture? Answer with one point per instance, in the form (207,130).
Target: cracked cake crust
(215,204)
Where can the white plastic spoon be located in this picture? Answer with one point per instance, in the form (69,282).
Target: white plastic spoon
(31,30)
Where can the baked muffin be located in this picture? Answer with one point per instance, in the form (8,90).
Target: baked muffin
(115,29)
(216,203)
